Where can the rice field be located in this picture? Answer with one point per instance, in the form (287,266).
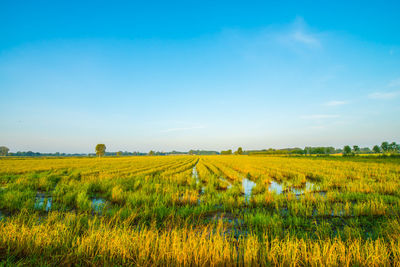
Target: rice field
(200,211)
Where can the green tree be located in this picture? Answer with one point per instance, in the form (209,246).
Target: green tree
(4,151)
(226,152)
(385,146)
(119,153)
(356,149)
(376,149)
(100,149)
(347,150)
(239,151)
(393,147)
(151,153)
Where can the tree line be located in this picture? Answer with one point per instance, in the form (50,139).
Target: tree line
(100,150)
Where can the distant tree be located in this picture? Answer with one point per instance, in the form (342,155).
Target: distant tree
(226,152)
(376,149)
(356,149)
(151,153)
(385,146)
(347,150)
(4,151)
(100,149)
(393,147)
(119,153)
(365,150)
(240,151)
(191,152)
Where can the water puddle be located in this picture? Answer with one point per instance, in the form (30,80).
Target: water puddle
(43,202)
(224,216)
(247,187)
(195,175)
(308,187)
(298,191)
(276,187)
(98,204)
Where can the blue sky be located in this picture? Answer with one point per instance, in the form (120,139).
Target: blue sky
(198,74)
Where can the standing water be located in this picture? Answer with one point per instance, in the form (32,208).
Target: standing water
(40,201)
(98,204)
(247,186)
(195,175)
(274,186)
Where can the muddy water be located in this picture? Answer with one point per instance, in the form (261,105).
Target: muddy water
(247,187)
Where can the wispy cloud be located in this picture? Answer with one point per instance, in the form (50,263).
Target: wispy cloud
(384,95)
(298,34)
(394,83)
(183,129)
(335,103)
(305,38)
(319,116)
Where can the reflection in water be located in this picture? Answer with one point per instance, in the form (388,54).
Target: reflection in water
(40,201)
(247,186)
(98,204)
(277,188)
(195,175)
(308,187)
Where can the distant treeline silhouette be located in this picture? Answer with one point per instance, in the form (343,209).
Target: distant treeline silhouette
(385,148)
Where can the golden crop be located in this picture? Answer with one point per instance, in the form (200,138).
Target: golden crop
(200,211)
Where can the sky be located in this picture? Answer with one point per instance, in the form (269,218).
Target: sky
(180,75)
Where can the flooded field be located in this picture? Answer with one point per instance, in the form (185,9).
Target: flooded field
(115,207)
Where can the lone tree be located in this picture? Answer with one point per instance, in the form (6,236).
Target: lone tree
(376,149)
(239,151)
(151,153)
(356,149)
(347,150)
(100,149)
(4,151)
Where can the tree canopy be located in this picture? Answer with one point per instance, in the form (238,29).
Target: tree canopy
(4,151)
(100,149)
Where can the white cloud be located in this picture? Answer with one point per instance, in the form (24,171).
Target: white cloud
(182,129)
(298,34)
(394,83)
(334,103)
(384,95)
(319,116)
(305,38)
